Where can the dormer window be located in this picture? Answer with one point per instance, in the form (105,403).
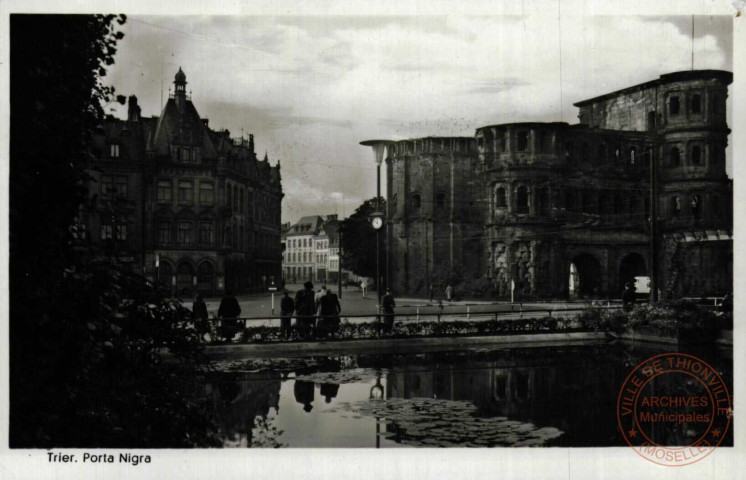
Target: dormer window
(114,150)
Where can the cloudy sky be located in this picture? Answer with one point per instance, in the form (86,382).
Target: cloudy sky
(310,88)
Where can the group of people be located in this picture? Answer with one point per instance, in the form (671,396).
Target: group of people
(448,292)
(228,312)
(317,313)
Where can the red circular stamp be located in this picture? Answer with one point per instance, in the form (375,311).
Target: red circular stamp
(674,409)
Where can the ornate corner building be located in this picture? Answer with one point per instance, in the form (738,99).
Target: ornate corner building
(559,210)
(183,203)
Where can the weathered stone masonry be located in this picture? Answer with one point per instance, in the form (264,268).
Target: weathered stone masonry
(521,202)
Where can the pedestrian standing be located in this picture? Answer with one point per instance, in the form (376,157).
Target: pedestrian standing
(228,312)
(388,305)
(628,296)
(287,307)
(364,287)
(449,293)
(199,315)
(305,307)
(329,310)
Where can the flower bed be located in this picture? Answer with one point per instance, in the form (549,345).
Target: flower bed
(409,329)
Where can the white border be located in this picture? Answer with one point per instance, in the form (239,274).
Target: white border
(574,463)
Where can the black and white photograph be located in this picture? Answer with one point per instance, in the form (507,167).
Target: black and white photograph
(283,241)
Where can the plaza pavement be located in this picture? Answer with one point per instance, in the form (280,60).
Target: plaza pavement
(353,303)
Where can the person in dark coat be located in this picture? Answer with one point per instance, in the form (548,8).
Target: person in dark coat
(199,314)
(329,391)
(305,307)
(388,305)
(329,311)
(228,312)
(304,394)
(628,296)
(287,307)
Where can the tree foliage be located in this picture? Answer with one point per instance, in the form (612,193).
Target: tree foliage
(85,368)
(359,241)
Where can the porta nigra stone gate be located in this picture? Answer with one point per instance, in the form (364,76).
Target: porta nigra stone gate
(564,210)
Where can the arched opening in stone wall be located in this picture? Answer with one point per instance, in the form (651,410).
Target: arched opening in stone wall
(632,269)
(184,276)
(585,277)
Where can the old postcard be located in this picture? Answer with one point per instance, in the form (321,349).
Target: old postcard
(283,240)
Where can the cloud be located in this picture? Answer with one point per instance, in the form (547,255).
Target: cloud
(311,88)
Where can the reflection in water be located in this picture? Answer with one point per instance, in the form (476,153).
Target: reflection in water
(242,405)
(532,396)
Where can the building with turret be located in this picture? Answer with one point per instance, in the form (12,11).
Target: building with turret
(559,210)
(180,202)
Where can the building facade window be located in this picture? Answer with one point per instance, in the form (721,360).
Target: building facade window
(121,186)
(416,201)
(206,232)
(675,157)
(107,185)
(164,191)
(696,103)
(122,233)
(500,198)
(696,155)
(522,200)
(206,193)
(107,232)
(522,144)
(184,233)
(675,207)
(185,192)
(674,105)
(164,232)
(696,205)
(114,150)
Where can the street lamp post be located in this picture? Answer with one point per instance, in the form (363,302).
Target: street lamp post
(378,218)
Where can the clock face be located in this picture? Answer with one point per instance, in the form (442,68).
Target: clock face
(377,222)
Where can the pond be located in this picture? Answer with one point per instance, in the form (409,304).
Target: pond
(541,397)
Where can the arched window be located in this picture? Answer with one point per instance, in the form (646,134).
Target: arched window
(416,201)
(632,155)
(500,200)
(164,231)
(675,157)
(675,206)
(696,155)
(206,232)
(184,231)
(204,276)
(696,204)
(165,272)
(545,207)
(522,200)
(696,103)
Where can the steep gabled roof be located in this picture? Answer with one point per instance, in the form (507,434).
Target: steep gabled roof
(168,127)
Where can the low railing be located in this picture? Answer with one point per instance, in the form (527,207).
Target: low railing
(262,329)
